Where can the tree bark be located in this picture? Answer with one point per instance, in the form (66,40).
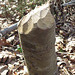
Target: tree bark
(37,36)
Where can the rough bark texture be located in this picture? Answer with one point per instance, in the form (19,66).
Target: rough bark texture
(37,36)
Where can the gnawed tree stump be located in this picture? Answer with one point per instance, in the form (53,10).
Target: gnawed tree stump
(37,36)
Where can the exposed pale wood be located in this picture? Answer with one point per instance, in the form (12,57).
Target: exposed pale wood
(37,36)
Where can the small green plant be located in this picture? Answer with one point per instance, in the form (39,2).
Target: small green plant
(19,48)
(61,50)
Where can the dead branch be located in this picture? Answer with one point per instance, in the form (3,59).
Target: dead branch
(8,30)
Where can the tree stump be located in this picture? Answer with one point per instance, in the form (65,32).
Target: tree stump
(37,36)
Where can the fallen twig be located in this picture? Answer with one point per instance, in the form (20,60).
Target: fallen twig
(8,30)
(65,53)
(72,2)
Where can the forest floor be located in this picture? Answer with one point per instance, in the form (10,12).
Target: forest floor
(11,56)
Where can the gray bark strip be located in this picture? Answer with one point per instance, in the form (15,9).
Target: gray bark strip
(37,36)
